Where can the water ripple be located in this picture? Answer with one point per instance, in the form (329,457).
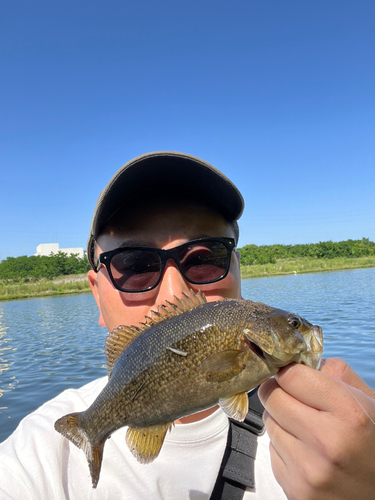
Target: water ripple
(46,345)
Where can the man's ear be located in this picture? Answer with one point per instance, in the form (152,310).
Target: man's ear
(93,282)
(238,253)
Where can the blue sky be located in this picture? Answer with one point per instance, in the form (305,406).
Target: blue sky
(279,95)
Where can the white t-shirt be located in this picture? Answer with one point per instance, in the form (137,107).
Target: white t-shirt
(36,462)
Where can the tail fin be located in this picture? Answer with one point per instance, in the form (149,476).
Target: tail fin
(70,428)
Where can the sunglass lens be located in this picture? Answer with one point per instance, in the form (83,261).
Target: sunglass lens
(135,270)
(204,262)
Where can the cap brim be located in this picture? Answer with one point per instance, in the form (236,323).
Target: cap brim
(165,170)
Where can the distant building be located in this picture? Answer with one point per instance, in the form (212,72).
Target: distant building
(48,248)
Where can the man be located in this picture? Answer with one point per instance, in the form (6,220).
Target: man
(320,424)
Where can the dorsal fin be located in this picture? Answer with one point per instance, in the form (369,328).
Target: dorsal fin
(178,306)
(120,338)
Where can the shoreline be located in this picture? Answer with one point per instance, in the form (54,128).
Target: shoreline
(77,283)
(304,265)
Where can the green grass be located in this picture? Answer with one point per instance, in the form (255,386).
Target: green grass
(40,288)
(78,283)
(306,265)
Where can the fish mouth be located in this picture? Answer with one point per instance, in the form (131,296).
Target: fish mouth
(267,358)
(255,349)
(308,351)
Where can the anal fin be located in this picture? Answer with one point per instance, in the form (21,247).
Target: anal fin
(145,442)
(236,406)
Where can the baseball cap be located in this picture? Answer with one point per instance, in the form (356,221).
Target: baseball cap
(163,170)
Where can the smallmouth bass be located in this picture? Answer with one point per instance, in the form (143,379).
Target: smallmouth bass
(188,356)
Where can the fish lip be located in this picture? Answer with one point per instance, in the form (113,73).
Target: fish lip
(312,360)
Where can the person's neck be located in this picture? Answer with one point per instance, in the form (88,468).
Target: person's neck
(195,417)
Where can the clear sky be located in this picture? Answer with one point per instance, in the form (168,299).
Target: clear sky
(279,95)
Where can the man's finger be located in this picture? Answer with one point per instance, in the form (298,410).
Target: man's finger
(312,387)
(291,415)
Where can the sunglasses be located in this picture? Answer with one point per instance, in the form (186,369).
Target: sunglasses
(138,269)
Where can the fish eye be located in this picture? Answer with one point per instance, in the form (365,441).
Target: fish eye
(294,321)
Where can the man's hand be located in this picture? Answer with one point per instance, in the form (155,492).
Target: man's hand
(322,430)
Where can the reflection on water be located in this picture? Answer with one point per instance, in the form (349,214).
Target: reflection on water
(50,344)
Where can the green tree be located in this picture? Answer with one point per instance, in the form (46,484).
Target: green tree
(59,264)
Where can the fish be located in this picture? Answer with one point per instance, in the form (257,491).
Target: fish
(187,356)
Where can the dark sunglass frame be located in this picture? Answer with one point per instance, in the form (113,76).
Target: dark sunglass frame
(172,253)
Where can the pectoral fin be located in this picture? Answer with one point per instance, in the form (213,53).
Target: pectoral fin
(145,442)
(224,365)
(236,407)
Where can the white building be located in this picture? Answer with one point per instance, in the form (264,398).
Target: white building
(48,248)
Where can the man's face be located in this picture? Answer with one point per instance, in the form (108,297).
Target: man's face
(159,226)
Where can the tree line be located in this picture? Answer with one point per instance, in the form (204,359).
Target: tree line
(268,254)
(60,264)
(41,266)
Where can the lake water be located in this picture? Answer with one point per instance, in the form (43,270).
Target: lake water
(50,344)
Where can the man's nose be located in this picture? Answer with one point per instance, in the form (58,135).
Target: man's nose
(172,283)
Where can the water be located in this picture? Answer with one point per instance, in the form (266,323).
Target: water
(46,345)
(50,344)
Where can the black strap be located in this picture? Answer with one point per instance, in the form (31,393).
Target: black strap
(237,467)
